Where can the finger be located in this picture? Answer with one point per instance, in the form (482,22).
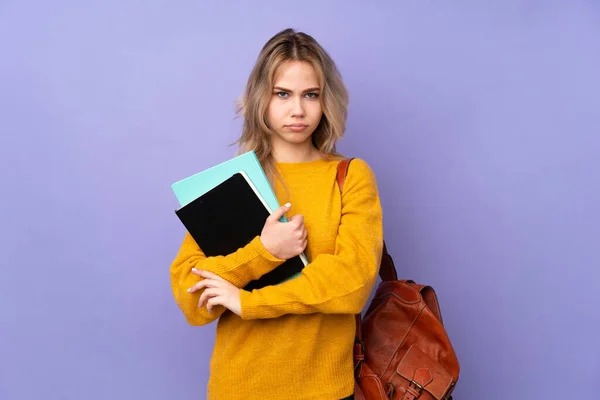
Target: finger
(208,294)
(204,283)
(214,301)
(304,244)
(304,235)
(205,295)
(207,274)
(299,220)
(280,212)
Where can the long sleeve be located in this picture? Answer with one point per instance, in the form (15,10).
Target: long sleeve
(339,282)
(240,268)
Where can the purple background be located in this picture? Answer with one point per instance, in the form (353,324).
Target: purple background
(481,122)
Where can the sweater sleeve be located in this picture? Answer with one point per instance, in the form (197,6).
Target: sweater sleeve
(339,282)
(240,268)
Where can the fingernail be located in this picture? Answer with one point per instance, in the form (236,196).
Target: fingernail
(288,205)
(194,269)
(189,290)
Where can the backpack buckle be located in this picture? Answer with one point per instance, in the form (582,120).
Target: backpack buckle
(415,386)
(358,353)
(413,391)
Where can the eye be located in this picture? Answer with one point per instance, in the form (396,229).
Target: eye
(282,94)
(312,95)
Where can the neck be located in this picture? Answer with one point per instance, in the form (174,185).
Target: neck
(295,154)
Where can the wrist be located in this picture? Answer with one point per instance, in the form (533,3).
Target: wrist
(266,250)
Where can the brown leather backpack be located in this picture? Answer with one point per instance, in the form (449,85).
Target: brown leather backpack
(401,351)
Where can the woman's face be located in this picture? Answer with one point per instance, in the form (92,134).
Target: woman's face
(294,110)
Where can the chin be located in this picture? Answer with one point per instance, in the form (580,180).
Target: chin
(296,137)
(298,140)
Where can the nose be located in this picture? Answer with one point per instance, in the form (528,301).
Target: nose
(297,107)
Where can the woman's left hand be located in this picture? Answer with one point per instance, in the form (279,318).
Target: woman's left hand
(217,291)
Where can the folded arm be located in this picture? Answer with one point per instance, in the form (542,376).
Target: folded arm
(339,282)
(240,268)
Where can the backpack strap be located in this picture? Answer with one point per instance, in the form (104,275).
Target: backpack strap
(342,171)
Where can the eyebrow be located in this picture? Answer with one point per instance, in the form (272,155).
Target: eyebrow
(315,89)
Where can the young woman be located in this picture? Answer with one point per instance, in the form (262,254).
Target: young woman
(293,340)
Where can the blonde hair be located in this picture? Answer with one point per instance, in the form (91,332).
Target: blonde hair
(290,45)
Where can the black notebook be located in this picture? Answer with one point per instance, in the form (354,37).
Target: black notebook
(227,218)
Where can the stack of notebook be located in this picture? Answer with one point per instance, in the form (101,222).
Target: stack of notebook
(226,206)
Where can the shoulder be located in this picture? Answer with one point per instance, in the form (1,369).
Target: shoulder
(360,178)
(359,170)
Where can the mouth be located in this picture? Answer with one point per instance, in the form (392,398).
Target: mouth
(297,127)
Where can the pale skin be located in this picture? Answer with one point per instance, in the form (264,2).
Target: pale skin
(294,112)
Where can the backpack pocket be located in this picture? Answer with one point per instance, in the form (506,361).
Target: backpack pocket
(422,374)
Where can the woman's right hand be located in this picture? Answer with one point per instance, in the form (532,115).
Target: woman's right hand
(284,240)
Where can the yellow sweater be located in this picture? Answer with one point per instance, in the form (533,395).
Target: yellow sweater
(294,340)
